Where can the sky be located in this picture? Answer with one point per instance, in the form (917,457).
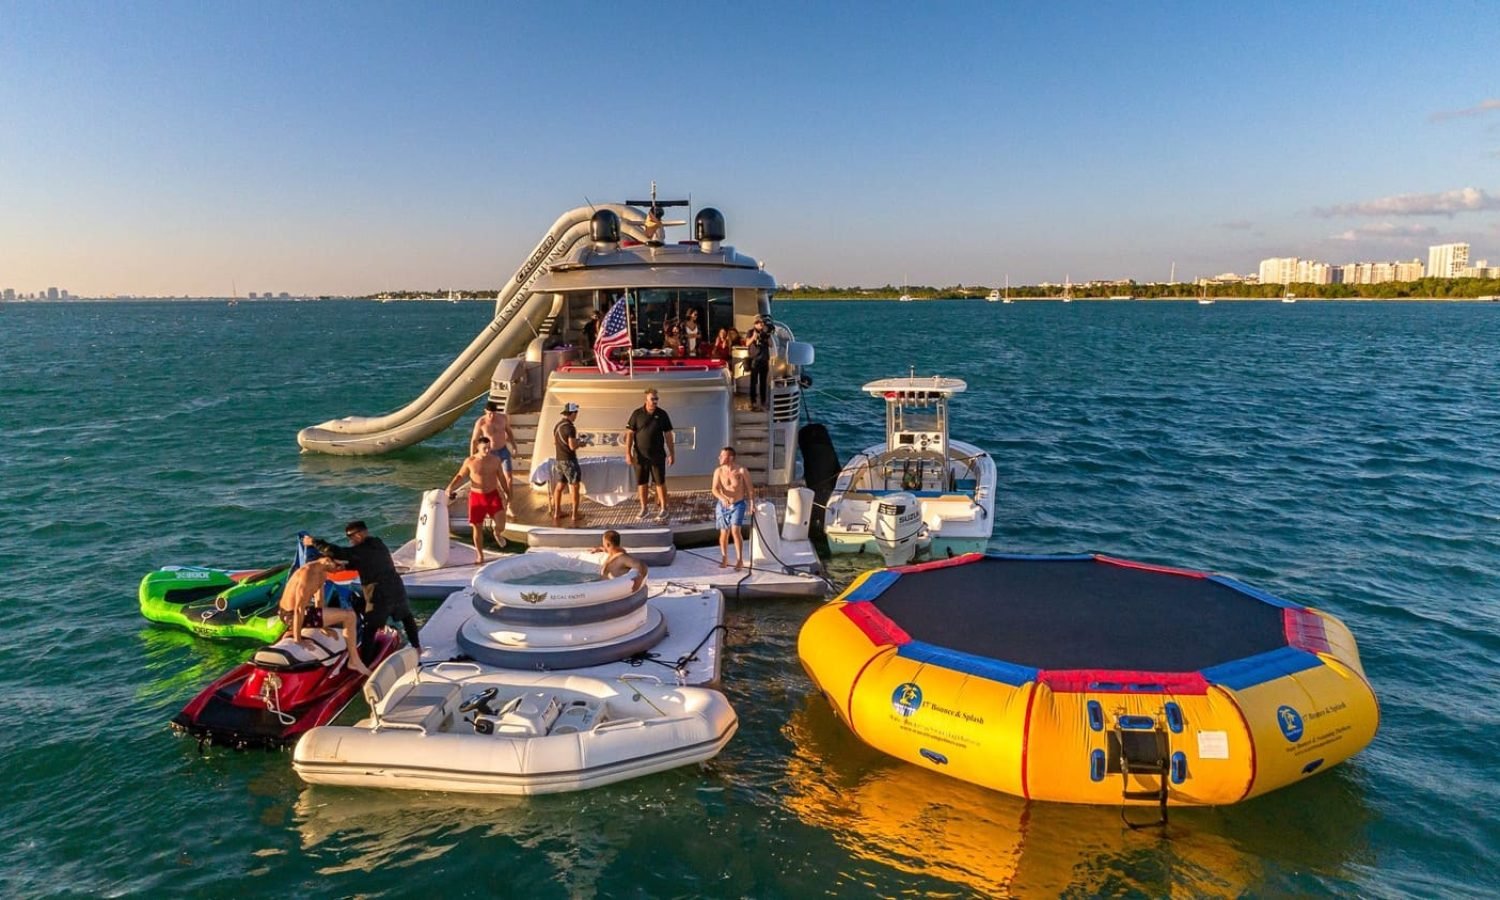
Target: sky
(348,148)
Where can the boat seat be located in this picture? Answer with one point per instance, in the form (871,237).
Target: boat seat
(423,705)
(387,674)
(318,647)
(578,715)
(529,715)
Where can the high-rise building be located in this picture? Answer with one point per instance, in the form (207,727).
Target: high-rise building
(10,293)
(1446,260)
(1409,271)
(51,293)
(1279,270)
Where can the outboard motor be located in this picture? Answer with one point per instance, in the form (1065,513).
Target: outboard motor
(898,528)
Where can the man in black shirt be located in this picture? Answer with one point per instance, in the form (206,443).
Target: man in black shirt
(565,472)
(650,447)
(758,343)
(385,595)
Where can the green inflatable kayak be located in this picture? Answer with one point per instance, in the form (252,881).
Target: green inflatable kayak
(231,604)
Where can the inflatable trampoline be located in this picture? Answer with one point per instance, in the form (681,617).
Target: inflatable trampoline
(1087,679)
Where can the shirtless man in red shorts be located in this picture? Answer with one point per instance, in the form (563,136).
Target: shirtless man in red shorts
(488,493)
(301,606)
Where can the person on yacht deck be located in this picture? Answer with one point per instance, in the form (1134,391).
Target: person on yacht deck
(651,447)
(487,494)
(565,471)
(495,425)
(733,490)
(691,333)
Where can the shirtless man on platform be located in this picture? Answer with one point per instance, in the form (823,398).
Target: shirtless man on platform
(301,606)
(495,425)
(733,490)
(618,562)
(488,493)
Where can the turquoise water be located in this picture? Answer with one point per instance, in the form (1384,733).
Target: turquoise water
(1341,455)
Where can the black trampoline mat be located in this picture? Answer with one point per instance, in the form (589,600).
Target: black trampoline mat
(1081,614)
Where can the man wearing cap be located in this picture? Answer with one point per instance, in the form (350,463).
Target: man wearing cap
(385,595)
(651,447)
(565,472)
(495,425)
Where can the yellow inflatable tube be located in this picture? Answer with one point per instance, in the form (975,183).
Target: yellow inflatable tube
(1204,691)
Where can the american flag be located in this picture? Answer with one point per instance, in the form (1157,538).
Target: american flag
(615,333)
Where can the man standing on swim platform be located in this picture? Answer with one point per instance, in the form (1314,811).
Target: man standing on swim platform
(495,425)
(487,494)
(651,447)
(734,491)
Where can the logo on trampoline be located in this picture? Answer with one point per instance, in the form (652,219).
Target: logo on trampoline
(1290,722)
(537,597)
(907,699)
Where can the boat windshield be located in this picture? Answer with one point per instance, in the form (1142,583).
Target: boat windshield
(925,417)
(662,314)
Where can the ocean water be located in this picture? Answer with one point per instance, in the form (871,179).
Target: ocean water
(1342,455)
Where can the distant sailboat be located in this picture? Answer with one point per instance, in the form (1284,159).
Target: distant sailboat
(1289,297)
(1203,298)
(905,297)
(1067,294)
(1007,291)
(234,293)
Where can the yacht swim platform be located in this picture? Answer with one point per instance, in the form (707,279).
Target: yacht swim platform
(697,568)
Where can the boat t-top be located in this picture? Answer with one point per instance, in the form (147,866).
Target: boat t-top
(918,490)
(540,354)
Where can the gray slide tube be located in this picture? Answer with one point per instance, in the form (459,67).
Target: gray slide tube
(518,314)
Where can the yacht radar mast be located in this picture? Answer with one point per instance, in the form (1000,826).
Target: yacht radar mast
(654,224)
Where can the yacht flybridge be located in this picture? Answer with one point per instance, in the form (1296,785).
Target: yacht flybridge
(533,358)
(919,491)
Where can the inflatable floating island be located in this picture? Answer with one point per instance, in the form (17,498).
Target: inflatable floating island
(1087,679)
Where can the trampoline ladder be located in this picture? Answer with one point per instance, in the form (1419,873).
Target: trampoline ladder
(1144,752)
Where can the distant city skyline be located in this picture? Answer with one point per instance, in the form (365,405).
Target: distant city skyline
(147,149)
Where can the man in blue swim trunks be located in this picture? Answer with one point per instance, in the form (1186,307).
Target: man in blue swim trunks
(495,425)
(733,490)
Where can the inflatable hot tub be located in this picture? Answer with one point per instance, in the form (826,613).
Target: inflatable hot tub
(543,611)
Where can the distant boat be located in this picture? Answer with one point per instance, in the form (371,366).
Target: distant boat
(1067,294)
(905,297)
(993,296)
(1204,299)
(1289,298)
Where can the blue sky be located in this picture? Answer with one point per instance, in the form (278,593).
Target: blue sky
(184,147)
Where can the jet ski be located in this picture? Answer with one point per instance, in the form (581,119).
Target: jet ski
(233,604)
(285,689)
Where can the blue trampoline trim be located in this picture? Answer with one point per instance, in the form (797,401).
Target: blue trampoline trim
(1259,669)
(872,587)
(969,664)
(1257,593)
(1045,557)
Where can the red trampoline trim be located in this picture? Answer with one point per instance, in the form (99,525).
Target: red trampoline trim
(1117,681)
(1026,745)
(961,560)
(1305,631)
(875,625)
(1148,567)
